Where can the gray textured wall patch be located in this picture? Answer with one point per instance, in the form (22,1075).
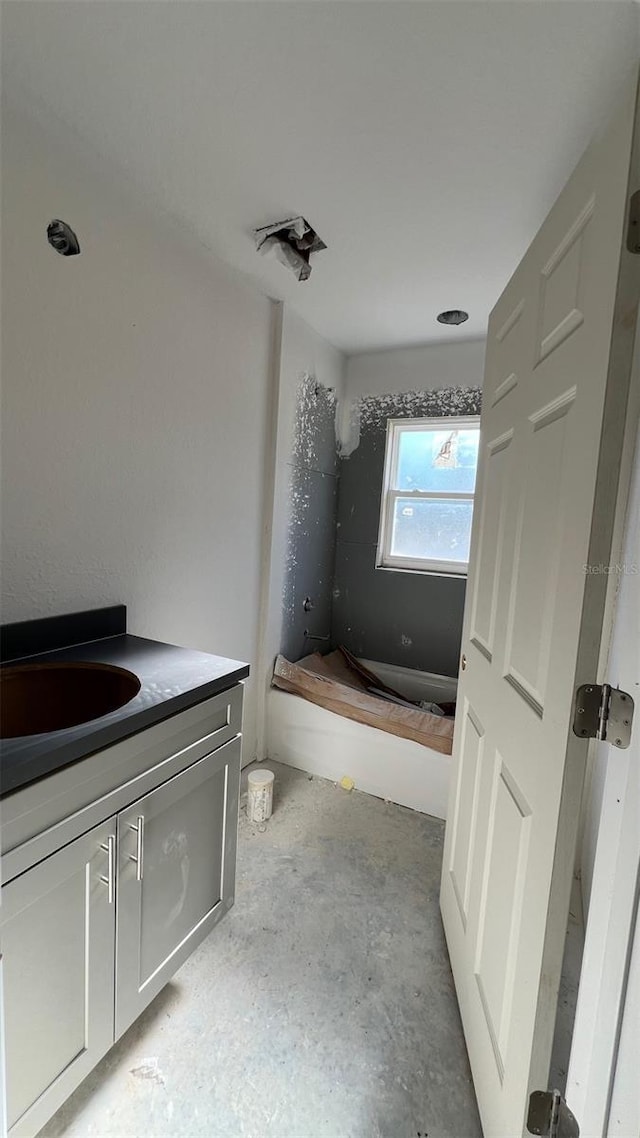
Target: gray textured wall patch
(312,521)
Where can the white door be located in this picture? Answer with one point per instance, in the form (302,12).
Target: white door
(556,384)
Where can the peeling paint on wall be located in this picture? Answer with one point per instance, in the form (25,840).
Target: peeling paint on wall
(314,424)
(419,405)
(371,411)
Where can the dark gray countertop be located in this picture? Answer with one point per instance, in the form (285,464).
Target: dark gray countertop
(172,679)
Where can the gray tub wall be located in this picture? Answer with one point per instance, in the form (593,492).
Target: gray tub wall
(313,495)
(411,619)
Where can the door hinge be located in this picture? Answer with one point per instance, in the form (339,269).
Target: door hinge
(633,228)
(603,712)
(549,1115)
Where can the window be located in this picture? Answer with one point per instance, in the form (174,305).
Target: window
(427,494)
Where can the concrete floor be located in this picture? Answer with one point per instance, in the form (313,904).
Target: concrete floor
(321,1007)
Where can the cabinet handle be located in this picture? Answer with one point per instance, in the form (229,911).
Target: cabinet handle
(110,849)
(139,854)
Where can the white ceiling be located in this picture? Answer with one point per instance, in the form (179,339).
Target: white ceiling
(424,141)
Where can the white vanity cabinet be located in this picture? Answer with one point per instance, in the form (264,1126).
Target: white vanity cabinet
(176,871)
(58,945)
(94,929)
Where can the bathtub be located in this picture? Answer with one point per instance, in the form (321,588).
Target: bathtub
(313,739)
(415,685)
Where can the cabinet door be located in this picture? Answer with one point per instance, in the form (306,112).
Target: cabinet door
(176,875)
(58,939)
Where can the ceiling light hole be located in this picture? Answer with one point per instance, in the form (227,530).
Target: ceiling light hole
(453,316)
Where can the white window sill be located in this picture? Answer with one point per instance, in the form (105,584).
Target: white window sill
(461,576)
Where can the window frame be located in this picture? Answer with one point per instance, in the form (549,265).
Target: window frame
(395,429)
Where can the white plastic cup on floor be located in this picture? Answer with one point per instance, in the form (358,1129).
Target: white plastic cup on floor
(260,795)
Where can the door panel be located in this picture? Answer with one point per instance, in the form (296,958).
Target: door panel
(506,379)
(562,280)
(466,811)
(499,921)
(58,936)
(176,858)
(491,545)
(557,379)
(539,526)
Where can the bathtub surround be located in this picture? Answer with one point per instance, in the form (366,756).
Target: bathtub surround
(410,620)
(369,602)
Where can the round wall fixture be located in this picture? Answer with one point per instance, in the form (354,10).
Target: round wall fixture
(62,238)
(453,316)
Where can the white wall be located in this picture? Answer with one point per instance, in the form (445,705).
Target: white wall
(423,368)
(299,351)
(416,368)
(135,387)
